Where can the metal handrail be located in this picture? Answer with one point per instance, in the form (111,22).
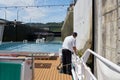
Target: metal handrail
(80,68)
(84,72)
(14,58)
(105,61)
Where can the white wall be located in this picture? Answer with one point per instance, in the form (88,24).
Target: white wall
(82,21)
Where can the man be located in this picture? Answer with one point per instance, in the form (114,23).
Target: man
(68,48)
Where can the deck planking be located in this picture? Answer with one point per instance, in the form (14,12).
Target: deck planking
(49,73)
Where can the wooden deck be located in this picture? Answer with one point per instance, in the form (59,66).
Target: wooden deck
(46,70)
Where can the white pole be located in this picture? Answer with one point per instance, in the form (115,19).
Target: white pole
(5,15)
(17,14)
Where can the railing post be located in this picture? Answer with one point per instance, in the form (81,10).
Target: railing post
(32,67)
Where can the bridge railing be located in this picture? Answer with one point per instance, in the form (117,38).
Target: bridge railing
(81,71)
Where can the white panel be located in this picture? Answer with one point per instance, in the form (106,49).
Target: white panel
(27,71)
(82,15)
(105,72)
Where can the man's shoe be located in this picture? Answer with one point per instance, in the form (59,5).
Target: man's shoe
(58,68)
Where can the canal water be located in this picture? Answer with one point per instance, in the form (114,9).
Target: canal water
(31,47)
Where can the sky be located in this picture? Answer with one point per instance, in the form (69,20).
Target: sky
(34,14)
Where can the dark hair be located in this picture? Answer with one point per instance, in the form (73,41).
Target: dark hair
(75,34)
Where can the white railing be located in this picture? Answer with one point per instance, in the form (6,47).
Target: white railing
(81,71)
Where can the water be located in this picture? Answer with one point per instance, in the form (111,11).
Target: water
(31,47)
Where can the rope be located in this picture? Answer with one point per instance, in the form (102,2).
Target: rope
(59,5)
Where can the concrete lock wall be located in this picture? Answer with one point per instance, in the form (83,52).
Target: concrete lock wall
(1,32)
(67,28)
(107,29)
(2,23)
(83,23)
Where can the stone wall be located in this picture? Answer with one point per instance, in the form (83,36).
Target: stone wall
(118,32)
(107,29)
(109,26)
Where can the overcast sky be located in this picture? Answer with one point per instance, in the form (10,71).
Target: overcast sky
(33,14)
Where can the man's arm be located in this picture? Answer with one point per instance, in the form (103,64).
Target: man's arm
(75,50)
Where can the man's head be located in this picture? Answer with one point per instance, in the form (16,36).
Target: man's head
(74,34)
